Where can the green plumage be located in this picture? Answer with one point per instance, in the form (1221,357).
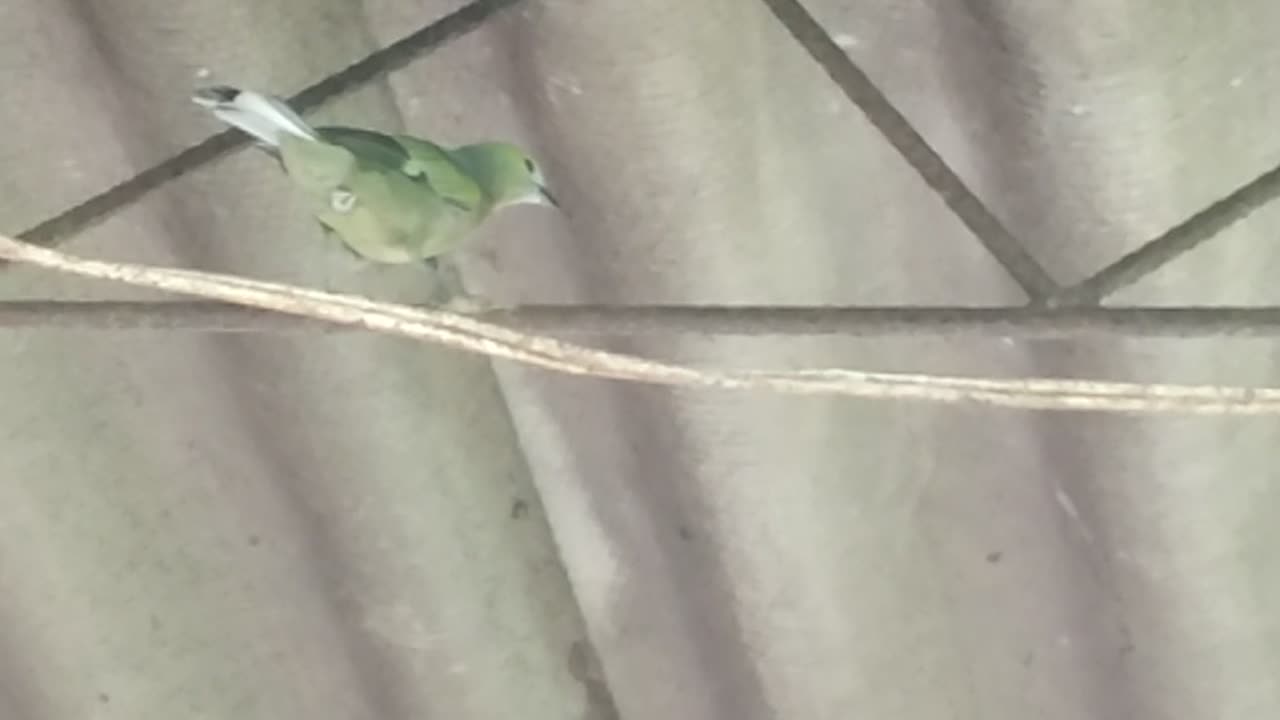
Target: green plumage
(411,202)
(390,198)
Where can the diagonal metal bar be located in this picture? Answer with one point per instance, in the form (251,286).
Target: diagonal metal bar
(78,218)
(1175,242)
(855,84)
(81,217)
(666,321)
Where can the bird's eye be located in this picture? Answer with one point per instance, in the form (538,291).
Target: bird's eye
(528,165)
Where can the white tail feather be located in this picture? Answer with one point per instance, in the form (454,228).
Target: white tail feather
(262,116)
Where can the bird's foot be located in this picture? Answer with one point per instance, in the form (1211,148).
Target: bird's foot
(468,304)
(450,293)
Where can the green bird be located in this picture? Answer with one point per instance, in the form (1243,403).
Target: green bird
(390,198)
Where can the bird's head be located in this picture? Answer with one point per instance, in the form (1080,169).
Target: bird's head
(507,173)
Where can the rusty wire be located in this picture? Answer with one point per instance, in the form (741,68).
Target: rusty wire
(1054,311)
(468,334)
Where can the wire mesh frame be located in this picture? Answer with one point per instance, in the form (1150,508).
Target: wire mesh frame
(1052,311)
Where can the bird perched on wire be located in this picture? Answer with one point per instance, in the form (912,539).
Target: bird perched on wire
(390,198)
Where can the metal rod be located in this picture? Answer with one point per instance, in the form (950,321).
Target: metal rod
(895,127)
(1174,243)
(742,321)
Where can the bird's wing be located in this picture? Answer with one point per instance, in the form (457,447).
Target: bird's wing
(416,158)
(448,178)
(370,148)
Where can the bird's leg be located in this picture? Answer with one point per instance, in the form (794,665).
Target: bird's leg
(332,237)
(354,255)
(450,293)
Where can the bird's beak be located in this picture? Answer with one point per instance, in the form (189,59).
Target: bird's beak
(548,197)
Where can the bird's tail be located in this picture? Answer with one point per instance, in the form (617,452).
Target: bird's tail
(263,116)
